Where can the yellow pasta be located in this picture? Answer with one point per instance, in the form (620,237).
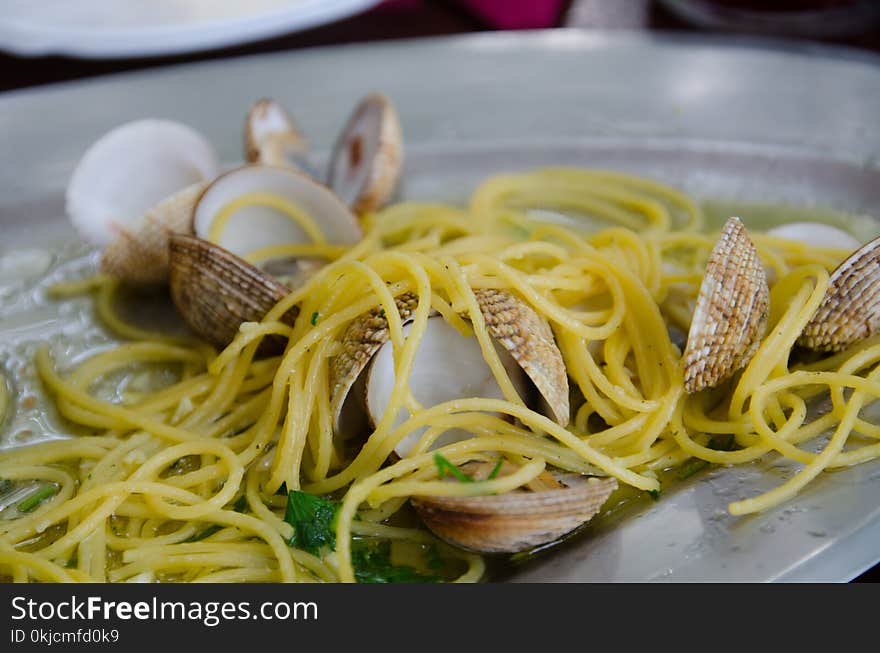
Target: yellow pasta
(188,481)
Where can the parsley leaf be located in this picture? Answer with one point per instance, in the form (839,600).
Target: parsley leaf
(372,564)
(313,520)
(445,467)
(315,318)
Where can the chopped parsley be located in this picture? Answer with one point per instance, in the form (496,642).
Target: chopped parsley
(495,469)
(315,317)
(372,564)
(36,498)
(208,532)
(313,520)
(445,467)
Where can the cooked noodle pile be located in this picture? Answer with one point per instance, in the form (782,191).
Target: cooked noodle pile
(189,482)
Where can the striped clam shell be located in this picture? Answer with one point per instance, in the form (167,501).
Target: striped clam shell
(215,291)
(140,252)
(731,311)
(850,310)
(515,521)
(529,339)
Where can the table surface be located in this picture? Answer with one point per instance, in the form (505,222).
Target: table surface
(394,19)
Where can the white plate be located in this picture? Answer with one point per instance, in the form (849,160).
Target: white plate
(782,123)
(98,29)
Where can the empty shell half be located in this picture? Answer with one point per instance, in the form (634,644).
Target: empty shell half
(731,313)
(130,170)
(367,158)
(134,186)
(850,310)
(515,521)
(215,291)
(271,136)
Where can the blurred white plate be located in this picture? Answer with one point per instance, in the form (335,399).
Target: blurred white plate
(105,29)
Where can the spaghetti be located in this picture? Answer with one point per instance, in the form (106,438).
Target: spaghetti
(190,481)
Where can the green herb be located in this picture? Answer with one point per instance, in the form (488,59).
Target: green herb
(655,494)
(208,532)
(315,318)
(372,564)
(495,469)
(381,312)
(445,467)
(313,520)
(240,504)
(72,563)
(36,498)
(692,468)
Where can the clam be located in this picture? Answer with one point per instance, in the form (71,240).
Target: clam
(515,521)
(730,317)
(448,365)
(850,310)
(140,254)
(215,291)
(134,186)
(249,210)
(817,234)
(271,136)
(367,158)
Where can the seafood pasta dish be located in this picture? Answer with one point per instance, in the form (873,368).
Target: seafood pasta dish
(326,383)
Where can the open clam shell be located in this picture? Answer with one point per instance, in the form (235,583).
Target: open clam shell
(448,365)
(361,340)
(850,310)
(130,170)
(731,312)
(140,252)
(529,339)
(215,291)
(260,221)
(515,521)
(271,136)
(817,234)
(367,158)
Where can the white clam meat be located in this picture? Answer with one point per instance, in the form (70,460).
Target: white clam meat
(447,366)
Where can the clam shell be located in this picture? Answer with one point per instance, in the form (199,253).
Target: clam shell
(140,252)
(361,340)
(850,310)
(817,234)
(254,227)
(731,312)
(529,339)
(130,170)
(367,159)
(271,136)
(215,291)
(516,521)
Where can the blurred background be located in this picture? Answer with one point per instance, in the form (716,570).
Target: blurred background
(54,40)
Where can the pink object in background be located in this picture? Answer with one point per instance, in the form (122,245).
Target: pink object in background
(516,14)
